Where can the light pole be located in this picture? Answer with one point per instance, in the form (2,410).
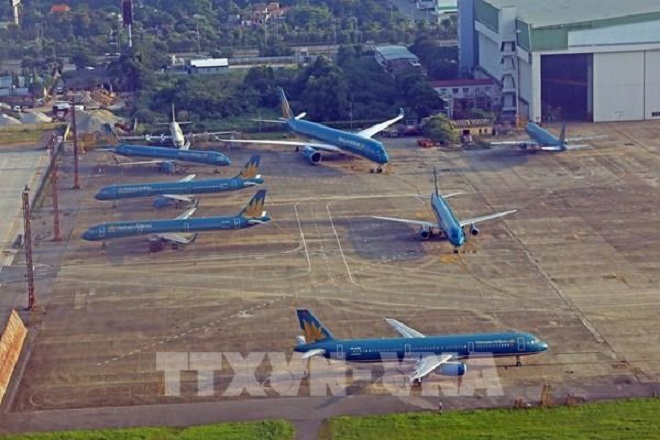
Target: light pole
(199,40)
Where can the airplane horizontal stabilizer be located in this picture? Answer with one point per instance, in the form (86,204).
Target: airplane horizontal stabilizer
(312,353)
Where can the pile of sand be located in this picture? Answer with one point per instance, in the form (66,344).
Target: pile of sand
(95,121)
(34,118)
(8,120)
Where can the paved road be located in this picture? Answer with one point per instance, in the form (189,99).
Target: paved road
(19,166)
(307,413)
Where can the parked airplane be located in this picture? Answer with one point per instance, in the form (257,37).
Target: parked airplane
(331,140)
(543,140)
(173,230)
(441,353)
(446,222)
(179,191)
(167,157)
(176,137)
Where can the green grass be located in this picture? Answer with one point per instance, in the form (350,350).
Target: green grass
(265,430)
(624,419)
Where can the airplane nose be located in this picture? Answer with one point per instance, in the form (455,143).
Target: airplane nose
(101,195)
(88,235)
(543,346)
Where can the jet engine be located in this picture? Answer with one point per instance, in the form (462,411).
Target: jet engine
(156,244)
(452,369)
(311,154)
(474,230)
(424,232)
(168,167)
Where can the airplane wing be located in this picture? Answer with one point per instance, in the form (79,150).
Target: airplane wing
(427,364)
(577,146)
(177,238)
(318,146)
(208,134)
(160,137)
(403,329)
(177,197)
(369,132)
(132,138)
(585,138)
(473,220)
(520,142)
(408,221)
(272,121)
(187,214)
(449,196)
(145,162)
(188,178)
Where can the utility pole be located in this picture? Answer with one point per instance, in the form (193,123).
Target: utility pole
(76,179)
(27,243)
(53,183)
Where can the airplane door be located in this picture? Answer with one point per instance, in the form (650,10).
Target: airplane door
(237,223)
(470,347)
(186,226)
(521,344)
(406,350)
(101,231)
(340,351)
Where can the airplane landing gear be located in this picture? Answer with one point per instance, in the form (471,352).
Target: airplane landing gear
(455,250)
(518,362)
(377,170)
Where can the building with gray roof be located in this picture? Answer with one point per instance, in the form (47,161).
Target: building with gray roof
(593,60)
(395,58)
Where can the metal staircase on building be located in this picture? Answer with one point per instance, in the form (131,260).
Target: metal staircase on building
(509,79)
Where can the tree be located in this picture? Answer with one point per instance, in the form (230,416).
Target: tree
(417,93)
(439,128)
(82,59)
(326,97)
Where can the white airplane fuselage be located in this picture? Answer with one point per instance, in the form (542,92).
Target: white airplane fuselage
(178,139)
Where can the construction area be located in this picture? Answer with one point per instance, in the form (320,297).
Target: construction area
(576,265)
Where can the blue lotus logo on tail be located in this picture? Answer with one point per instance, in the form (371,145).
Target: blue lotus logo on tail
(255,206)
(284,103)
(251,168)
(312,332)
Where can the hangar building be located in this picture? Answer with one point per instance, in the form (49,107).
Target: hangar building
(591,60)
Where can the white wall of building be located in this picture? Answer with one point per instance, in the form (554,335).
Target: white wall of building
(652,84)
(632,33)
(619,86)
(524,79)
(490,56)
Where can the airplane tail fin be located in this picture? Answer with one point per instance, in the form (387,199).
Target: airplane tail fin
(173,113)
(251,168)
(435,181)
(284,103)
(312,328)
(254,208)
(562,138)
